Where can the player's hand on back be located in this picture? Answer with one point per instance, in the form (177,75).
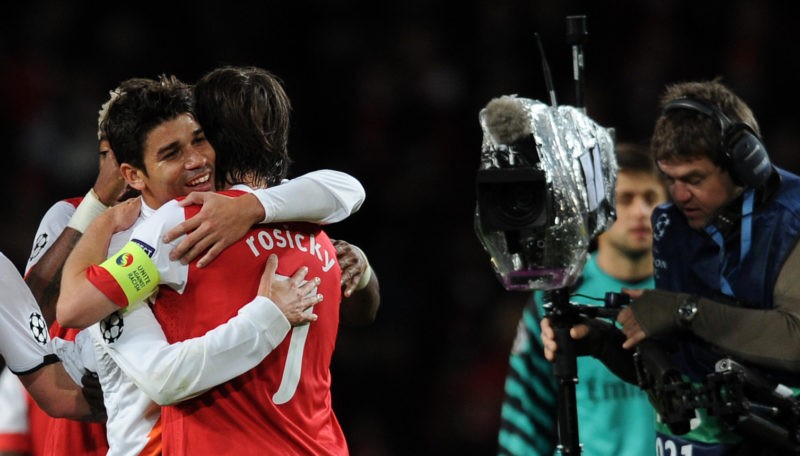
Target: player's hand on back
(353,263)
(295,296)
(93,392)
(221,221)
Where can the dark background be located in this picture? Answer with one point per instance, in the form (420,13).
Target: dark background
(389,92)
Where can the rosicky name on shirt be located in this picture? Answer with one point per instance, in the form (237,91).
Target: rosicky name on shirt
(268,239)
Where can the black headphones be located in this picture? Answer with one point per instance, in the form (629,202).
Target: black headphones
(740,149)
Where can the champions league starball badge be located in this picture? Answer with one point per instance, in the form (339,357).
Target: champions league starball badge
(39,245)
(38,328)
(111,327)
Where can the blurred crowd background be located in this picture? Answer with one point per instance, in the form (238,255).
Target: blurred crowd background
(390,93)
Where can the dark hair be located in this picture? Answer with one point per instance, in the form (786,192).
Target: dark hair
(635,158)
(244,112)
(141,108)
(683,134)
(113,95)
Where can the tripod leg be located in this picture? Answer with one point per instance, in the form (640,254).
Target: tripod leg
(565,369)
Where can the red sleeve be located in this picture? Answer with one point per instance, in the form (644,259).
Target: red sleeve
(15,442)
(106,283)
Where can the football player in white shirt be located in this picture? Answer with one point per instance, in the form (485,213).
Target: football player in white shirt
(226,350)
(325,195)
(25,346)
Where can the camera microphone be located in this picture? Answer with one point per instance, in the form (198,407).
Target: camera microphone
(506,120)
(509,124)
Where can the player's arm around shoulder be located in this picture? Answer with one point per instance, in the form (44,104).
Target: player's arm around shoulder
(80,302)
(320,197)
(170,373)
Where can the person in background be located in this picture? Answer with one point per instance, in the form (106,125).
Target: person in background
(614,418)
(726,265)
(29,429)
(28,352)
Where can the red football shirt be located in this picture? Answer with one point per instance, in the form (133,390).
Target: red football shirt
(282,406)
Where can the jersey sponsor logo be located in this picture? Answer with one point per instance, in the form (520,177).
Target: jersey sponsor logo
(124,260)
(111,327)
(38,328)
(39,245)
(145,246)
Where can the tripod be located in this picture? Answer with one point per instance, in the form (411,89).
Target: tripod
(565,369)
(563,315)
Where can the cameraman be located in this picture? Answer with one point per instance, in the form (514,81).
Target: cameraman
(726,262)
(610,411)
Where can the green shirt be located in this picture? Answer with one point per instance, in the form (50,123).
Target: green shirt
(614,417)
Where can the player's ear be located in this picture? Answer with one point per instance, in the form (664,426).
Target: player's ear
(133,176)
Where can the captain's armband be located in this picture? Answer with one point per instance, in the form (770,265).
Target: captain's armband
(134,272)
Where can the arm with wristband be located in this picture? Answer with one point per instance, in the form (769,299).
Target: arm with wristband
(62,227)
(80,303)
(94,287)
(59,231)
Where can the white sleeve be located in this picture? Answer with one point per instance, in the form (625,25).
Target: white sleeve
(51,226)
(150,236)
(14,412)
(172,373)
(24,340)
(323,197)
(76,356)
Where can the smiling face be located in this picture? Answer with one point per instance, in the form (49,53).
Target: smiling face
(177,160)
(699,188)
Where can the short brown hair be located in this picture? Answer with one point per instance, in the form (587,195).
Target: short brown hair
(635,158)
(245,112)
(685,134)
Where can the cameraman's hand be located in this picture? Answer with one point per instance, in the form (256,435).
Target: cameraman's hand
(631,328)
(549,337)
(599,339)
(652,313)
(634,292)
